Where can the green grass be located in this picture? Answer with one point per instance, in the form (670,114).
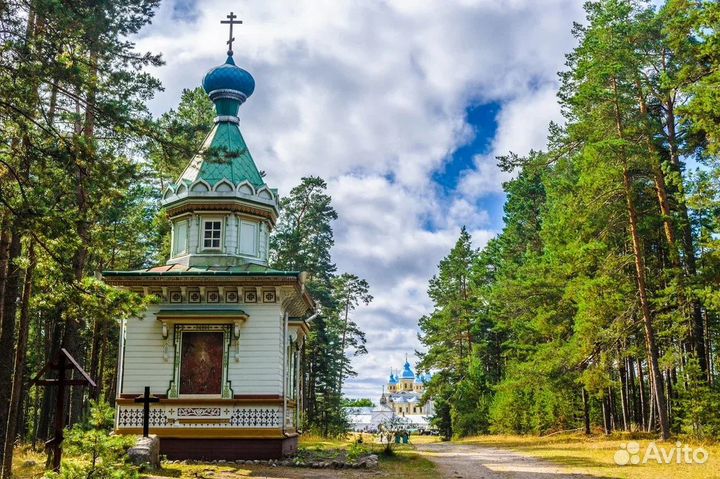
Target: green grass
(406,463)
(594,455)
(27,463)
(309,440)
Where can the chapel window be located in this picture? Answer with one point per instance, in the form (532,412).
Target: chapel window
(248,238)
(212,234)
(180,237)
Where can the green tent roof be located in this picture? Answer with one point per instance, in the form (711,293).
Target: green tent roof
(224,155)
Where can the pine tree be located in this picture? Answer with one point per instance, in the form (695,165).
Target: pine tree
(448,331)
(349,292)
(301,242)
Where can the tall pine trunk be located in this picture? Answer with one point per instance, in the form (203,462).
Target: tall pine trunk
(696,336)
(607,420)
(639,260)
(19,367)
(341,369)
(643,400)
(624,402)
(4,252)
(698,331)
(97,344)
(659,179)
(632,392)
(586,411)
(652,349)
(7,333)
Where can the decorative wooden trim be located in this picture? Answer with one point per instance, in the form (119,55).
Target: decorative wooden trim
(122,397)
(196,204)
(215,433)
(258,396)
(202,319)
(300,324)
(202,421)
(298,304)
(237,399)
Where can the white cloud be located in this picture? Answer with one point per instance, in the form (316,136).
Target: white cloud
(522,126)
(372,96)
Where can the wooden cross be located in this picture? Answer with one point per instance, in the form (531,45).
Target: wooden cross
(231,22)
(146,399)
(60,363)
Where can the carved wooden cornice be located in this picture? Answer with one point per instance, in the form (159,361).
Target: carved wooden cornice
(217,205)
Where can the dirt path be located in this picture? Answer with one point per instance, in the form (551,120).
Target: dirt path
(456,461)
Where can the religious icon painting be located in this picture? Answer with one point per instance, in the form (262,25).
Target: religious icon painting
(250,297)
(201,362)
(231,297)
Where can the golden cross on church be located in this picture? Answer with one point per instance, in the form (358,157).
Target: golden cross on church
(231,21)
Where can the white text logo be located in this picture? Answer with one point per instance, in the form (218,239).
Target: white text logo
(631,453)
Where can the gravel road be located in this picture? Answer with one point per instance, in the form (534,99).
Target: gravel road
(467,461)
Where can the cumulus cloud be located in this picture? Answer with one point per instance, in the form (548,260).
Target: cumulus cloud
(372,96)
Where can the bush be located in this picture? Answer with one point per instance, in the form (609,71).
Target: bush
(91,452)
(358,450)
(698,404)
(535,406)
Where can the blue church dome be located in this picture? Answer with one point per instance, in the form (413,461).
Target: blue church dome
(393,379)
(228,76)
(407,372)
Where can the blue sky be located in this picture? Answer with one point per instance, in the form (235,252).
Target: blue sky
(401,105)
(482,121)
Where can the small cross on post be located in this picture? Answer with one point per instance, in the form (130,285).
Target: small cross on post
(62,363)
(146,399)
(231,21)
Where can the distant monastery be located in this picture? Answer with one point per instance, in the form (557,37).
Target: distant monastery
(404,393)
(400,398)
